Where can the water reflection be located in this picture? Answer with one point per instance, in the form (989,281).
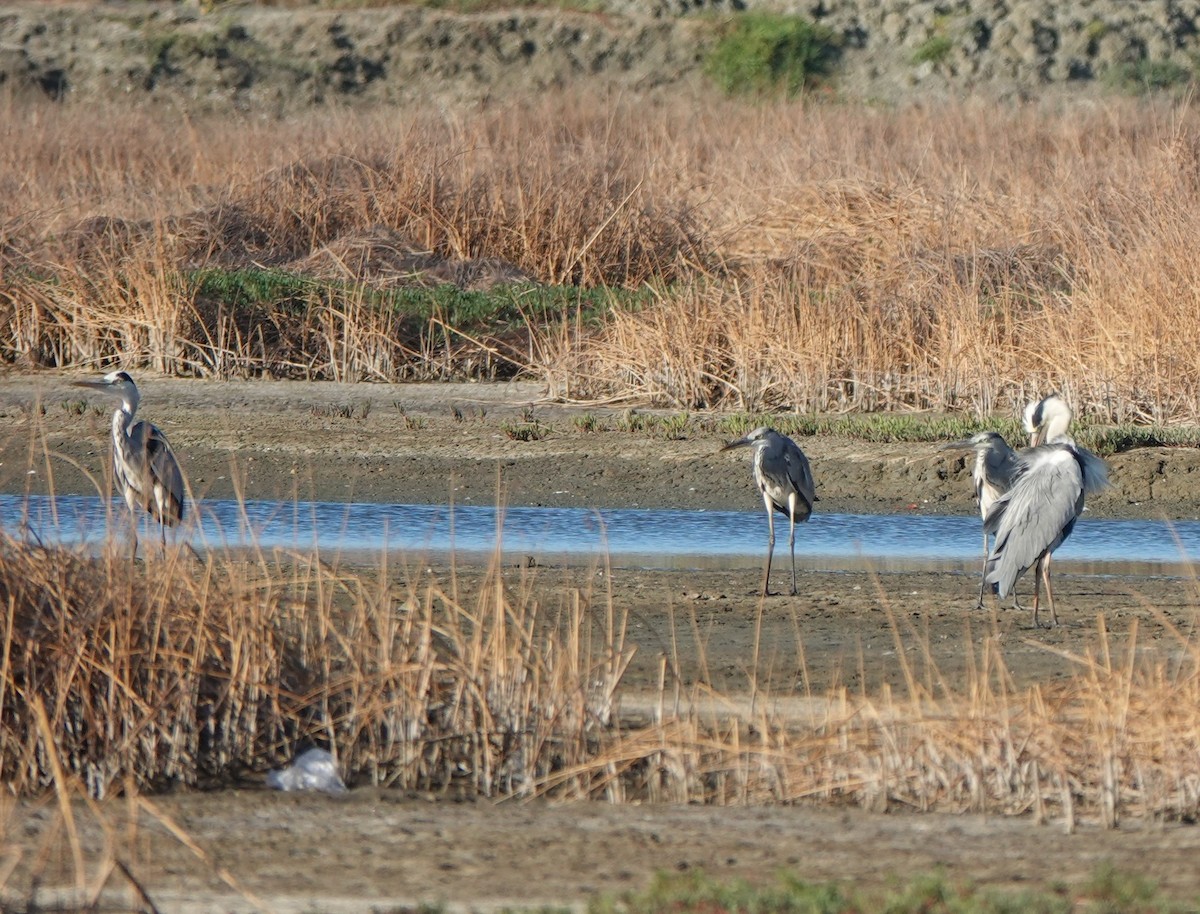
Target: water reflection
(630,537)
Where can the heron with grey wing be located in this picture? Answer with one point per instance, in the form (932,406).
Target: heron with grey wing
(1038,513)
(784,480)
(996,468)
(145,470)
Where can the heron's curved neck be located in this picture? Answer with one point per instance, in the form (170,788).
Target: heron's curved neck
(123,418)
(1056,429)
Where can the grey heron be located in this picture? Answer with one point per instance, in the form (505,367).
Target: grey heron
(144,466)
(996,468)
(785,482)
(1033,518)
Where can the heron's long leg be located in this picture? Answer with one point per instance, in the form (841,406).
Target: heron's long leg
(1049,590)
(1037,584)
(792,537)
(770,544)
(983,574)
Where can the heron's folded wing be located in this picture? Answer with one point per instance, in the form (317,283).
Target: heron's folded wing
(1035,515)
(800,475)
(1001,468)
(164,470)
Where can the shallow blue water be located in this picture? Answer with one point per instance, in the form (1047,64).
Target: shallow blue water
(627,536)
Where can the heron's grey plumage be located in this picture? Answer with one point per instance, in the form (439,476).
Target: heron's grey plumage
(1040,510)
(996,468)
(784,479)
(144,467)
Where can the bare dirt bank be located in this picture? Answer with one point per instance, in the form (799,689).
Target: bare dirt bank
(433,443)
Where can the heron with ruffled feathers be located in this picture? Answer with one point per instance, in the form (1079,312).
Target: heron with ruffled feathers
(1039,511)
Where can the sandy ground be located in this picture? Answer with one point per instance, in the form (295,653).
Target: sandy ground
(375,847)
(378,850)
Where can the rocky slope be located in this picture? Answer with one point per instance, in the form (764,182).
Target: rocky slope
(271,59)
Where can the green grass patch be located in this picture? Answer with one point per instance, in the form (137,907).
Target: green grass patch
(934,49)
(1143,76)
(765,52)
(588,423)
(878,427)
(675,426)
(1112,439)
(249,288)
(1106,892)
(502,308)
(525,431)
(892,428)
(633,421)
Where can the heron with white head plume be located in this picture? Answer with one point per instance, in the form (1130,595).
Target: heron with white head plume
(144,467)
(784,480)
(1033,518)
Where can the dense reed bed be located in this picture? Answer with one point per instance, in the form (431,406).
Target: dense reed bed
(174,670)
(798,255)
(184,672)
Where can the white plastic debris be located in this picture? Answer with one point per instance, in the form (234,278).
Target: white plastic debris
(313,769)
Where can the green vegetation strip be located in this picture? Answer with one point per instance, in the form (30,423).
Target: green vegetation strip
(768,52)
(508,306)
(888,428)
(1108,891)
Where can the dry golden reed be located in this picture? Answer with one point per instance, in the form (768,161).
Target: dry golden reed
(809,256)
(181,671)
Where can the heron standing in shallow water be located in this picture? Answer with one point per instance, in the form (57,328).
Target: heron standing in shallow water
(996,468)
(785,481)
(144,467)
(1033,518)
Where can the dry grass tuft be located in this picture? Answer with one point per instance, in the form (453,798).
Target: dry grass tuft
(174,671)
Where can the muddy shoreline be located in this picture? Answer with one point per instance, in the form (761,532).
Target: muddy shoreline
(441,443)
